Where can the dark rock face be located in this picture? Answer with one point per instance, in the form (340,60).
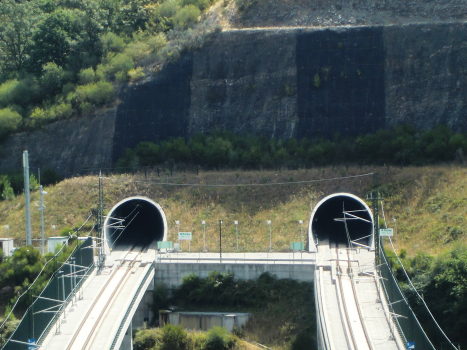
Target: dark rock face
(426,75)
(340,78)
(156,110)
(278,83)
(68,146)
(246,82)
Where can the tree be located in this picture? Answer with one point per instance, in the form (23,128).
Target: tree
(187,17)
(9,121)
(67,37)
(18,21)
(7,193)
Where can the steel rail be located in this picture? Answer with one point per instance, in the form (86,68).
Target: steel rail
(357,303)
(346,311)
(70,344)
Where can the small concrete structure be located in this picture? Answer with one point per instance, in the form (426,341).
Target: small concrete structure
(54,242)
(7,246)
(204,321)
(171,272)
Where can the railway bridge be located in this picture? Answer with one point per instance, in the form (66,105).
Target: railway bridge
(93,305)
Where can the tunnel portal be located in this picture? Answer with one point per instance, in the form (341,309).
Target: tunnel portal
(327,221)
(135,221)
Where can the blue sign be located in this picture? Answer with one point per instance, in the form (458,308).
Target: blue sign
(32,344)
(410,345)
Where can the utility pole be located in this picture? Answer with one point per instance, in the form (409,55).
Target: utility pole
(220,240)
(41,208)
(100,215)
(270,236)
(61,274)
(300,222)
(27,197)
(395,224)
(375,198)
(204,235)
(236,231)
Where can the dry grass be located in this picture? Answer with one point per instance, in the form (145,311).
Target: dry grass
(428,202)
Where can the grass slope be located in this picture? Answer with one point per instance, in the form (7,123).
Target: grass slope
(428,203)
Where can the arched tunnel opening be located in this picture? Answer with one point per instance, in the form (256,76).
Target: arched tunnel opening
(331,215)
(135,221)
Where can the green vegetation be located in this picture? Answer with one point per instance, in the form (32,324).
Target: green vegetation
(401,145)
(176,338)
(13,183)
(441,281)
(427,201)
(21,269)
(64,58)
(283,313)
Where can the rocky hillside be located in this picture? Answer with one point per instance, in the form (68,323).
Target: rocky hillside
(318,13)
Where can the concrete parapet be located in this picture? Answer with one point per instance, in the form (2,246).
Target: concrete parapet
(172,274)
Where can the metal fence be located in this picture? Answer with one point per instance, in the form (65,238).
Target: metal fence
(408,325)
(44,311)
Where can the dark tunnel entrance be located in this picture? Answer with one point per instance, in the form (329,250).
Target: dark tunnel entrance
(327,220)
(135,221)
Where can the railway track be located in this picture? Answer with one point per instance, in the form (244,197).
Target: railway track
(357,337)
(110,289)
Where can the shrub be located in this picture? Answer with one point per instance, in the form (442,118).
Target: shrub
(157,42)
(9,121)
(173,338)
(95,93)
(87,76)
(119,63)
(147,339)
(60,111)
(50,177)
(66,231)
(100,92)
(219,339)
(33,183)
(148,153)
(7,92)
(201,4)
(304,341)
(111,42)
(137,50)
(136,74)
(316,81)
(168,9)
(52,79)
(7,193)
(187,17)
(160,298)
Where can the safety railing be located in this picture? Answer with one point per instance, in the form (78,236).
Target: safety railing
(127,313)
(59,313)
(48,305)
(407,323)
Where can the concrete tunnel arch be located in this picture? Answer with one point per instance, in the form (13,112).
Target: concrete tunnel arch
(322,223)
(144,223)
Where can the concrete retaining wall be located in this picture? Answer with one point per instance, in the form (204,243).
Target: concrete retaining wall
(172,274)
(206,320)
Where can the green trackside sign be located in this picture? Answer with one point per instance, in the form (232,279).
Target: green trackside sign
(164,245)
(386,232)
(297,246)
(184,236)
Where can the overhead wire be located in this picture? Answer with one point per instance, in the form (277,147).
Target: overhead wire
(413,287)
(251,184)
(39,275)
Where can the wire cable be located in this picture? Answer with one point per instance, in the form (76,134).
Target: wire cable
(254,184)
(39,275)
(419,297)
